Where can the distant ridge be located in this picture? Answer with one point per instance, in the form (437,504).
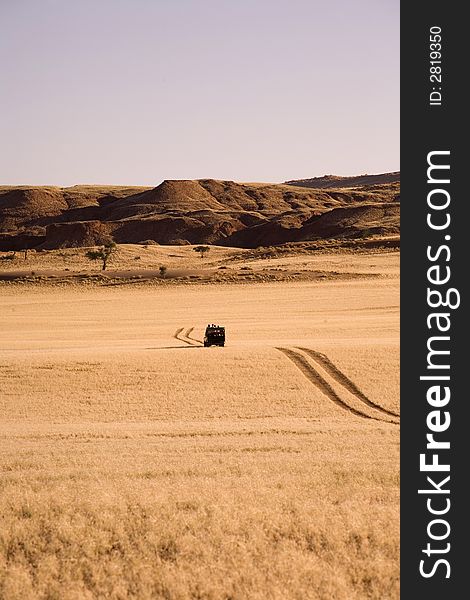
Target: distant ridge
(203,211)
(338,181)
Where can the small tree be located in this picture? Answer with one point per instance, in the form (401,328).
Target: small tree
(103,254)
(162,270)
(202,250)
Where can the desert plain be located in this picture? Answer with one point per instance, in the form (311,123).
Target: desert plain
(138,464)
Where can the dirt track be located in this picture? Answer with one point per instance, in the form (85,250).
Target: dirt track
(317,379)
(343,380)
(331,389)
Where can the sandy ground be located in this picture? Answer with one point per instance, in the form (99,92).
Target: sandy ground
(137,463)
(132,262)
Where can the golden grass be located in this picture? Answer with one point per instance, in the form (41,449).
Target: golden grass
(128,256)
(294,514)
(136,466)
(139,256)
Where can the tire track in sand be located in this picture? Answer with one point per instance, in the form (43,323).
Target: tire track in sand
(178,335)
(344,380)
(187,334)
(314,377)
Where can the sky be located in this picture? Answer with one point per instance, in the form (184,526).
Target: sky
(132,92)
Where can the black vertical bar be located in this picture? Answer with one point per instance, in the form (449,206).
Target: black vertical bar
(426,128)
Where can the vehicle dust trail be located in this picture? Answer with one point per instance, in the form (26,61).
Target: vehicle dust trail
(314,377)
(187,334)
(342,379)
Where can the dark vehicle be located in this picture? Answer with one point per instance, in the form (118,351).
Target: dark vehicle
(214,336)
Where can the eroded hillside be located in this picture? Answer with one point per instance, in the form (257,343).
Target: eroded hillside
(202,211)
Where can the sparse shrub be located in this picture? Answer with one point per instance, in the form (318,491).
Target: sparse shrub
(104,253)
(163,271)
(202,250)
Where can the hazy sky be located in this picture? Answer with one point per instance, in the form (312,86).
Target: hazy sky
(137,91)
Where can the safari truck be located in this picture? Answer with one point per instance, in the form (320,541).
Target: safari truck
(214,336)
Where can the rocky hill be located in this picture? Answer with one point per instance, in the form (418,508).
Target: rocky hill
(338,181)
(198,211)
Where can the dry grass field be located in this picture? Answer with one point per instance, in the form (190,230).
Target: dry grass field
(137,464)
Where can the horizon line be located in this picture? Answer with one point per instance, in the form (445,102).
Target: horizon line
(49,185)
